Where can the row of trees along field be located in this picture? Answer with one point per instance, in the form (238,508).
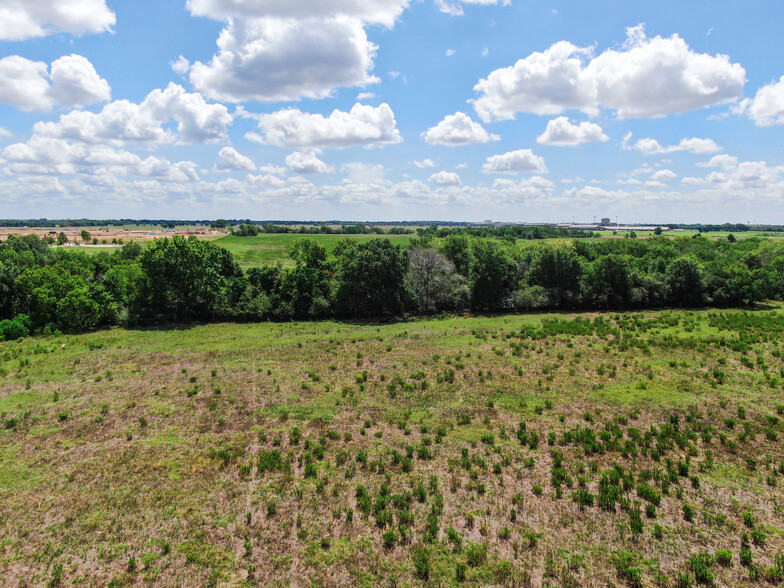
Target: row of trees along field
(44,289)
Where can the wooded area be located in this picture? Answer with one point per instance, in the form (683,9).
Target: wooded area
(45,289)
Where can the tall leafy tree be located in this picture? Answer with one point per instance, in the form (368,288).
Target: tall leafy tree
(685,281)
(370,278)
(493,275)
(557,269)
(185,276)
(608,281)
(457,249)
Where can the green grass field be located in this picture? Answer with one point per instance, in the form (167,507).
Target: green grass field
(272,248)
(559,450)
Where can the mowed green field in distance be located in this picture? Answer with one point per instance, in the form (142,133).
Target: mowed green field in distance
(275,247)
(272,248)
(555,449)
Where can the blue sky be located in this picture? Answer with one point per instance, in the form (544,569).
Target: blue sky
(380,110)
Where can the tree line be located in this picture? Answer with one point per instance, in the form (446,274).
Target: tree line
(45,289)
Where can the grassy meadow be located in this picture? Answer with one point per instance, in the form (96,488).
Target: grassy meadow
(271,248)
(640,449)
(268,248)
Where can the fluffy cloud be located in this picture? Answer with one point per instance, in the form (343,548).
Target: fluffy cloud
(264,181)
(646,78)
(745,177)
(121,121)
(664,175)
(229,159)
(26,19)
(653,147)
(273,60)
(725,161)
(70,82)
(444,178)
(561,132)
(363,125)
(280,50)
(57,157)
(655,77)
(458,129)
(307,163)
(542,83)
(522,160)
(767,107)
(381,12)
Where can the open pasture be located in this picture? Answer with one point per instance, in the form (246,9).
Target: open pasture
(268,248)
(639,449)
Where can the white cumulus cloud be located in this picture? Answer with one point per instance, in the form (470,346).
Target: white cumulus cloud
(444,178)
(273,59)
(229,159)
(767,107)
(57,157)
(651,146)
(362,125)
(741,177)
(458,129)
(522,160)
(265,181)
(27,19)
(646,78)
(663,175)
(725,161)
(561,132)
(306,162)
(70,82)
(121,120)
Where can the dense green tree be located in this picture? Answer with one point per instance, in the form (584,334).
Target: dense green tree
(247,230)
(370,279)
(77,311)
(184,277)
(457,249)
(15,328)
(9,271)
(493,275)
(39,290)
(309,253)
(557,269)
(608,281)
(685,282)
(119,294)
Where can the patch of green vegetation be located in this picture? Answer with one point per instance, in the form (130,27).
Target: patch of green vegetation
(471,451)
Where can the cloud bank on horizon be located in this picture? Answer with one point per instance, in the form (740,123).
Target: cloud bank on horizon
(390,110)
